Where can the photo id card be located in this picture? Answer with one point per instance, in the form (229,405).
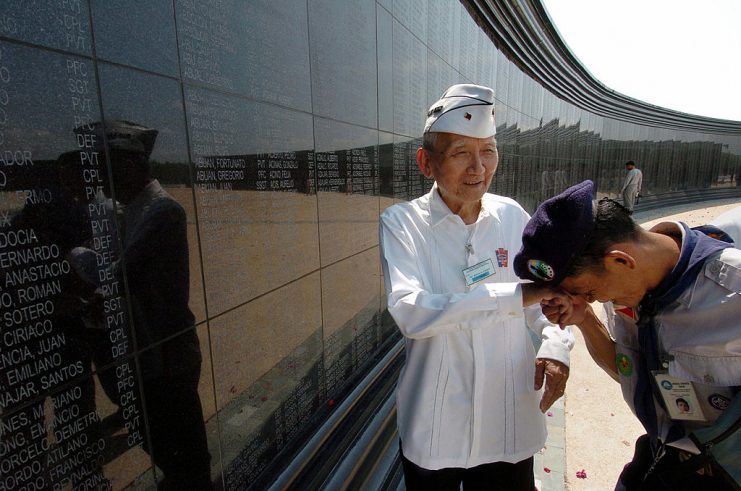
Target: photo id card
(478,272)
(679,397)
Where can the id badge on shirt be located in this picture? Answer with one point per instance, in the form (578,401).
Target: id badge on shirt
(679,397)
(478,272)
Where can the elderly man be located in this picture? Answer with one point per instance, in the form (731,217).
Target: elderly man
(674,331)
(468,396)
(631,186)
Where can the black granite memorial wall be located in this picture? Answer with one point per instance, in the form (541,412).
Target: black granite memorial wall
(189,202)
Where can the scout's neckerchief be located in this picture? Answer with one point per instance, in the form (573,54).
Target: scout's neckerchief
(696,248)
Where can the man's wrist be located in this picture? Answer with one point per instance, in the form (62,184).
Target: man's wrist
(531,293)
(590,319)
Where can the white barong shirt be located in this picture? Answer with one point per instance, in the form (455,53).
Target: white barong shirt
(465,396)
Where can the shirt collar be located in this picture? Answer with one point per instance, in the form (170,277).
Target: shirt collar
(696,247)
(440,212)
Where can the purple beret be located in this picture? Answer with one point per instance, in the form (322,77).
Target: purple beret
(558,231)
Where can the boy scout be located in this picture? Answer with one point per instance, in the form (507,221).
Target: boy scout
(673,296)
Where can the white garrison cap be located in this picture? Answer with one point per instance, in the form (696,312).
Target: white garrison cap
(122,135)
(463,109)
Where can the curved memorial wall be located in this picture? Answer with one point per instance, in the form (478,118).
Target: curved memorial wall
(189,202)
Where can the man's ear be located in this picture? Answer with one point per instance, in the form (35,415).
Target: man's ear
(423,162)
(617,259)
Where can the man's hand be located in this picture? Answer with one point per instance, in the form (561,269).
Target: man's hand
(565,310)
(555,374)
(533,293)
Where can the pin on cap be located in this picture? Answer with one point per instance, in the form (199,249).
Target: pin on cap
(463,109)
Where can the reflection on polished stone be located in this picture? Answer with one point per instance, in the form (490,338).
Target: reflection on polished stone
(410,82)
(267,370)
(348,185)
(242,47)
(161,416)
(344,91)
(413,15)
(189,271)
(385,56)
(254,242)
(408,182)
(157,103)
(440,75)
(351,326)
(40,110)
(348,224)
(138,34)
(250,340)
(60,25)
(254,195)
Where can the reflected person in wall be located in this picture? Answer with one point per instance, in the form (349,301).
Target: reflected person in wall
(631,189)
(469,400)
(84,263)
(155,263)
(57,346)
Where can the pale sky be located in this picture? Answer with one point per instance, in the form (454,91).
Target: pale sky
(679,54)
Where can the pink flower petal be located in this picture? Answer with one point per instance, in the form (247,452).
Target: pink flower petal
(549,413)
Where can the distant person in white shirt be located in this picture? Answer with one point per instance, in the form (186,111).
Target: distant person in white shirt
(632,185)
(470,401)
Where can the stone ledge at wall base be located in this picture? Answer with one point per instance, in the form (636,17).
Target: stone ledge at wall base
(357,447)
(672,198)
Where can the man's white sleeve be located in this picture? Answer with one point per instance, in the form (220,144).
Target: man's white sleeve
(420,313)
(556,343)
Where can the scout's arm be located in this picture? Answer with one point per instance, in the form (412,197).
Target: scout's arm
(600,345)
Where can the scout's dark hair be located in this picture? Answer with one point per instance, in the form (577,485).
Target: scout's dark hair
(612,224)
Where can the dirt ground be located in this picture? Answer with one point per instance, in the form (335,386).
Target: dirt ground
(600,430)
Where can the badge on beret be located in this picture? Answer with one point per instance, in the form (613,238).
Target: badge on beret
(624,365)
(540,269)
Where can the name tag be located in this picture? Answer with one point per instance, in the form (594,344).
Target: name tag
(679,397)
(478,272)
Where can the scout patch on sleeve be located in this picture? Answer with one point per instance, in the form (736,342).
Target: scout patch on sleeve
(624,365)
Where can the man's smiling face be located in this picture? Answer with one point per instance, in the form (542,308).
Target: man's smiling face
(463,168)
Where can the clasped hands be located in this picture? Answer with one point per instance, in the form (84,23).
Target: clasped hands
(563,309)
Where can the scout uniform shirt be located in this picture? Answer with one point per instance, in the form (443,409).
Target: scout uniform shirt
(465,396)
(700,337)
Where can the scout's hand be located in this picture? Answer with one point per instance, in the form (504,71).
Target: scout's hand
(565,311)
(555,374)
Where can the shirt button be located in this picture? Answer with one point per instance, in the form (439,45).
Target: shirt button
(714,267)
